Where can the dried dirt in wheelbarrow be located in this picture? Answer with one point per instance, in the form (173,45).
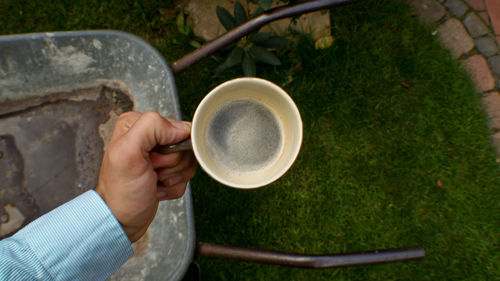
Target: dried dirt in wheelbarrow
(51,148)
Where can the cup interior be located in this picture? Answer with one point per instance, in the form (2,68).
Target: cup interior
(246,133)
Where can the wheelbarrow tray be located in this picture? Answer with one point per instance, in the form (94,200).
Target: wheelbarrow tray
(51,85)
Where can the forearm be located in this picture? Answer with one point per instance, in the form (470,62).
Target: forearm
(80,240)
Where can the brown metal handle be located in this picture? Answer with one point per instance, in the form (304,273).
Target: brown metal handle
(309,261)
(182,146)
(252,25)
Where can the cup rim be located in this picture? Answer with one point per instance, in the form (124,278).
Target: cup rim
(295,151)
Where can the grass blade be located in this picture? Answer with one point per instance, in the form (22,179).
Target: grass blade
(180,21)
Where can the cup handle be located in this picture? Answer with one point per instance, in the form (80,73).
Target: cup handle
(181,146)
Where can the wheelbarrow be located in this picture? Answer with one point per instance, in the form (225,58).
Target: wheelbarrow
(60,94)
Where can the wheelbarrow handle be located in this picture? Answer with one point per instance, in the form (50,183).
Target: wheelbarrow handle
(252,25)
(309,261)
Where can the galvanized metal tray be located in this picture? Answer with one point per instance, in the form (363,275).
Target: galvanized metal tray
(60,94)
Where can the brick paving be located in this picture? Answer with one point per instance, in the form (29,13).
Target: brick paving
(475,25)
(454,37)
(470,29)
(491,103)
(480,73)
(486,46)
(476,4)
(493,9)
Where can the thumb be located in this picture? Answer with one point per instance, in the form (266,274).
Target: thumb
(152,129)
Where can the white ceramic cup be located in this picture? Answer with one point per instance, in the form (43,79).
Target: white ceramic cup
(246,133)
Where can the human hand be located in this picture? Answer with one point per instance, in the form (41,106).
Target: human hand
(132,179)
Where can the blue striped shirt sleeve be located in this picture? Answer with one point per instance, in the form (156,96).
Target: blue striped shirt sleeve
(80,240)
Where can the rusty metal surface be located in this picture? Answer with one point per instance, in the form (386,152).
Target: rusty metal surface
(309,261)
(182,146)
(54,142)
(16,202)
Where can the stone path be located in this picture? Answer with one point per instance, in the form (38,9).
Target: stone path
(470,29)
(209,27)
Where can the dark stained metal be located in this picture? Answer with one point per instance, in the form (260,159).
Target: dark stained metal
(252,25)
(309,261)
(182,146)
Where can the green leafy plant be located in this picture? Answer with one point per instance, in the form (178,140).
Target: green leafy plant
(184,29)
(265,5)
(255,47)
(180,22)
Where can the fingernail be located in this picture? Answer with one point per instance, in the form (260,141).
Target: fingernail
(161,193)
(181,125)
(164,178)
(174,180)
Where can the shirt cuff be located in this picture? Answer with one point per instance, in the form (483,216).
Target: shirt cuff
(80,240)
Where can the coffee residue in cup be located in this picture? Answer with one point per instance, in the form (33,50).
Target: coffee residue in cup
(244,136)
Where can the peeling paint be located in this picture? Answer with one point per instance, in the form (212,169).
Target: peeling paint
(67,60)
(97,44)
(15,221)
(106,129)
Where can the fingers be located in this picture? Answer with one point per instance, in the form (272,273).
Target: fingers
(136,134)
(152,129)
(171,192)
(185,168)
(159,160)
(174,178)
(124,122)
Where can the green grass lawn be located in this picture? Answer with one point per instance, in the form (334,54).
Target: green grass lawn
(387,114)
